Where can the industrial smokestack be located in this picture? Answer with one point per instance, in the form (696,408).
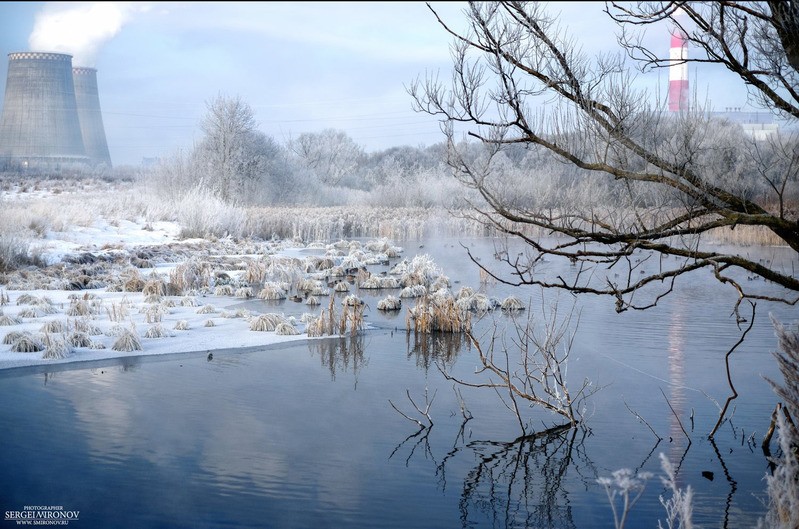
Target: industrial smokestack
(678,71)
(40,124)
(91,119)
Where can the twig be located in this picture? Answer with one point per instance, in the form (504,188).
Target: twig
(644,420)
(676,416)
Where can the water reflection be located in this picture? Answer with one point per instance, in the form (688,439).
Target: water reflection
(340,354)
(679,442)
(428,349)
(523,483)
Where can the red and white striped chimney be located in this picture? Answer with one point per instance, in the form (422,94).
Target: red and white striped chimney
(678,70)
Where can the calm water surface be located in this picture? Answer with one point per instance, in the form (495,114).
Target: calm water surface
(304,436)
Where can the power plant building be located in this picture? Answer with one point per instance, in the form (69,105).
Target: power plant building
(91,118)
(51,114)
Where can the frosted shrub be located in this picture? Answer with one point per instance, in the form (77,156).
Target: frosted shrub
(512,304)
(679,508)
(12,337)
(155,313)
(154,287)
(341,286)
(156,331)
(244,293)
(152,298)
(223,290)
(464,292)
(266,322)
(127,341)
(188,276)
(389,303)
(783,483)
(312,301)
(56,347)
(79,339)
(27,343)
(481,304)
(44,305)
(286,329)
(272,291)
(117,312)
(414,291)
(181,325)
(319,290)
(371,283)
(188,301)
(86,326)
(437,313)
(624,489)
(14,251)
(206,309)
(422,270)
(309,285)
(53,326)
(26,299)
(201,214)
(316,327)
(440,283)
(79,308)
(389,282)
(6,320)
(352,301)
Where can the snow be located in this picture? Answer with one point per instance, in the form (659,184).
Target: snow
(229,330)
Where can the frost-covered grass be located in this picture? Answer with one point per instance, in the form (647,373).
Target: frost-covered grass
(115,258)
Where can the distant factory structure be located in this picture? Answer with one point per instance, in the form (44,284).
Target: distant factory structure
(758,125)
(51,114)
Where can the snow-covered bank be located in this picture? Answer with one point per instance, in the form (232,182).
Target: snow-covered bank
(124,288)
(200,324)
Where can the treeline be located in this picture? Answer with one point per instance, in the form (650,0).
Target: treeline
(241,165)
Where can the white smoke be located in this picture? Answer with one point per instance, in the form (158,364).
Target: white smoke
(81,28)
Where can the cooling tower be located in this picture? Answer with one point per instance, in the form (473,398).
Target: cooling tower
(89,115)
(40,124)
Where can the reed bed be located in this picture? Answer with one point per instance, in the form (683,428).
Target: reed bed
(437,313)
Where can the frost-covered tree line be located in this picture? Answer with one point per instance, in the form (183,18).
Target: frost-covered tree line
(240,164)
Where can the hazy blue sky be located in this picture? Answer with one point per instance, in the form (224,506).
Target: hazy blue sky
(301,66)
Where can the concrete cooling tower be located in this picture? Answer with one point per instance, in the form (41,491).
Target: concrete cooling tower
(50,119)
(91,119)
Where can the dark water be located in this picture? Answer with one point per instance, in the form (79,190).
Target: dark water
(304,436)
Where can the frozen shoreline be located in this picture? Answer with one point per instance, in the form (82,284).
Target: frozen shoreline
(201,320)
(228,333)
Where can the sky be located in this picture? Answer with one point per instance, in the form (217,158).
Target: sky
(301,66)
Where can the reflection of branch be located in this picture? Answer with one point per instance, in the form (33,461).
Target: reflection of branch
(339,353)
(729,376)
(732,482)
(422,439)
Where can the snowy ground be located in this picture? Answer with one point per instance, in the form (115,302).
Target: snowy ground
(83,324)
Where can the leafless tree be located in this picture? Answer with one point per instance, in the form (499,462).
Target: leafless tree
(230,151)
(648,181)
(330,154)
(529,369)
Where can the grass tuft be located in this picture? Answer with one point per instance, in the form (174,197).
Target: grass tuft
(127,341)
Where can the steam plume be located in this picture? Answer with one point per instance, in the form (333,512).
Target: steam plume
(80,28)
